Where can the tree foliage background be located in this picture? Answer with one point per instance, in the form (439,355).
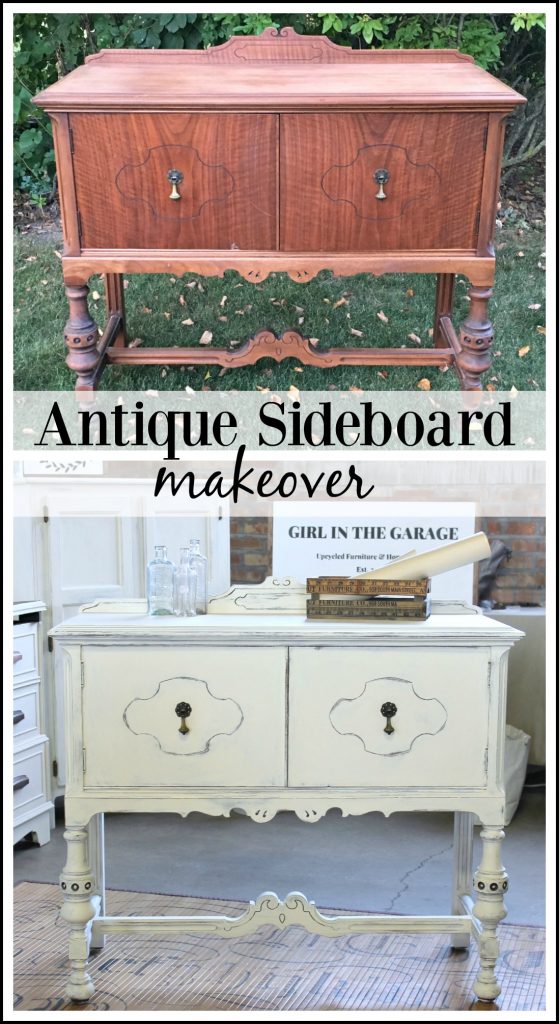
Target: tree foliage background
(47,46)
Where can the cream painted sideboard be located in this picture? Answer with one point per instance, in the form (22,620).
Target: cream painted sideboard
(252,707)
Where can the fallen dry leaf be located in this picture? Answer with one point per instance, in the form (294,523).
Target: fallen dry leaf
(207,376)
(513,392)
(535,305)
(521,254)
(314,342)
(182,300)
(293,393)
(59,254)
(298,369)
(355,391)
(340,302)
(146,309)
(188,322)
(206,339)
(424,384)
(383,374)
(239,312)
(415,338)
(263,390)
(135,343)
(358,334)
(223,319)
(200,286)
(491,387)
(95,296)
(382,316)
(540,330)
(409,293)
(152,394)
(327,301)
(167,316)
(222,301)
(523,351)
(191,284)
(443,369)
(301,320)
(164,373)
(430,332)
(299,309)
(30,259)
(236,341)
(223,371)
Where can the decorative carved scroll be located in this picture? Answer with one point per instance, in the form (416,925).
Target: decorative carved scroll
(354,183)
(209,716)
(147,182)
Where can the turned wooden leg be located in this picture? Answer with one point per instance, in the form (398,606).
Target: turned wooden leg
(444,306)
(476,337)
(81,336)
(462,870)
(79,908)
(114,297)
(490,885)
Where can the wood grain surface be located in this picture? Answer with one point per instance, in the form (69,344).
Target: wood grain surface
(228,192)
(328,197)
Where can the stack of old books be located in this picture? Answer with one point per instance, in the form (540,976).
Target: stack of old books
(338,597)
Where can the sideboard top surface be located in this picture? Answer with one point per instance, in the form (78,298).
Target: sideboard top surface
(281,629)
(265,72)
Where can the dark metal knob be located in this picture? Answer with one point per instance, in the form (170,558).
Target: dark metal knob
(388,710)
(183,711)
(381,177)
(175,177)
(20,782)
(18,717)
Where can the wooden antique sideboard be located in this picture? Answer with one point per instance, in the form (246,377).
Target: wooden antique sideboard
(252,707)
(278,153)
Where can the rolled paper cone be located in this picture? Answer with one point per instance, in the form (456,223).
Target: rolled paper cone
(432,563)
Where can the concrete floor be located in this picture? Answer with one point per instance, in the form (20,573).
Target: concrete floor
(397,865)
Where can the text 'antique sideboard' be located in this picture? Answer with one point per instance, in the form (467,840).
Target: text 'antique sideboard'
(252,707)
(278,153)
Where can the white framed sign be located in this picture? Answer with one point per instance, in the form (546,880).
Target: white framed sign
(344,539)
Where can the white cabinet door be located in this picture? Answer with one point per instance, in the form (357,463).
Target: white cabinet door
(161,717)
(388,717)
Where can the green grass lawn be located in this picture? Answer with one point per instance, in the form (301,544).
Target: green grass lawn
(326,308)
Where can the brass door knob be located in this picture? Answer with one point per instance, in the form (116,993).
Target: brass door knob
(381,177)
(183,711)
(388,710)
(175,177)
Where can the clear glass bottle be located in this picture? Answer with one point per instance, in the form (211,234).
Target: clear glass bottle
(159,583)
(199,563)
(185,585)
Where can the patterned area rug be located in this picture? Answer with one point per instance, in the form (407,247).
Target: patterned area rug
(269,970)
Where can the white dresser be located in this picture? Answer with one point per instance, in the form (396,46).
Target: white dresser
(33,808)
(252,707)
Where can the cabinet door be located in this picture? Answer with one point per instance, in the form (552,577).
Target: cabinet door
(331,201)
(161,717)
(388,718)
(227,164)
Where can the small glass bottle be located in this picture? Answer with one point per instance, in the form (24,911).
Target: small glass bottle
(199,563)
(159,583)
(185,585)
